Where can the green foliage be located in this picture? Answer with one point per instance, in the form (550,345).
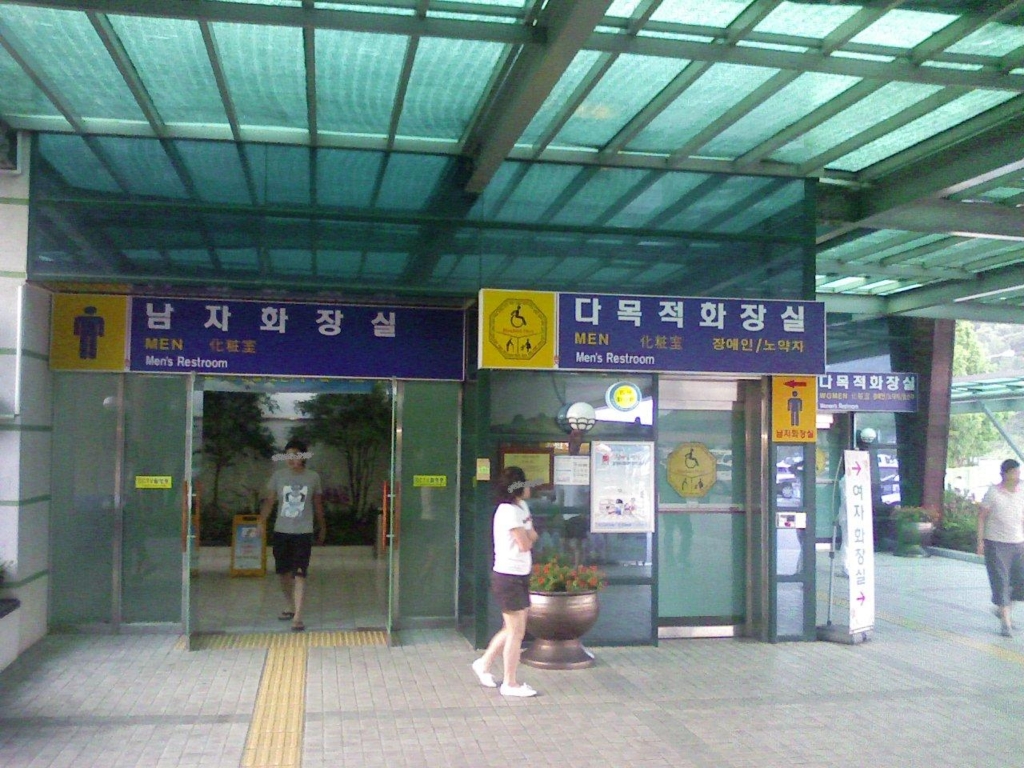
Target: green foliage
(959,527)
(232,428)
(970,434)
(915,515)
(359,428)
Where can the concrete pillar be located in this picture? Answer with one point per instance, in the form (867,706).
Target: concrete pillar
(25,417)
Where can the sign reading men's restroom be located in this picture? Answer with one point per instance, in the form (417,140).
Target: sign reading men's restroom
(794,409)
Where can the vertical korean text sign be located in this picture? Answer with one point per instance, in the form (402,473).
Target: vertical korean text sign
(858,535)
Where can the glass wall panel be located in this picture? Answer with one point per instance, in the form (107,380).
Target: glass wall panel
(527,417)
(156,413)
(82,523)
(429,499)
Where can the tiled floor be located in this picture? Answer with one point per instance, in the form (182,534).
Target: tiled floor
(347,589)
(935,686)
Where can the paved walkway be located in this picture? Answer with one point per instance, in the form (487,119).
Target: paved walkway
(936,686)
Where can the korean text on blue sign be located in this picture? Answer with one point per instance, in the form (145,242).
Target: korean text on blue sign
(661,333)
(889,392)
(284,339)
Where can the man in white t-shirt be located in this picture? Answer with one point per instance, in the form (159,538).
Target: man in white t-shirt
(514,537)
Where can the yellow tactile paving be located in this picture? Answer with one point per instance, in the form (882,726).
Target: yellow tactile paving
(275,734)
(333,639)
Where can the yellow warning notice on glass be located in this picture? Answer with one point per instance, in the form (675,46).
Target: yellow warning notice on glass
(430,481)
(153,481)
(794,409)
(89,332)
(517,329)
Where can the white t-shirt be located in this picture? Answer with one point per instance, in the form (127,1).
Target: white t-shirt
(1005,521)
(508,558)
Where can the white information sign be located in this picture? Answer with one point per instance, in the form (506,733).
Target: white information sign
(858,535)
(622,487)
(572,470)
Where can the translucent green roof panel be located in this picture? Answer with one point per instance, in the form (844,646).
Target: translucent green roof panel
(803,95)
(725,198)
(357,105)
(266,91)
(291,262)
(410,181)
(709,13)
(239,259)
(76,166)
(714,93)
(991,40)
(281,175)
(22,97)
(539,188)
(218,175)
(579,67)
(888,100)
(433,108)
(602,190)
(904,28)
(935,122)
(798,19)
(170,57)
(339,264)
(659,196)
(347,178)
(143,167)
(626,87)
(70,56)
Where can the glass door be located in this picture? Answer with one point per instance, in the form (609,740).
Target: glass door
(155,489)
(389,515)
(701,523)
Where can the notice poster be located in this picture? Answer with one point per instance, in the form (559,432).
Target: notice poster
(248,552)
(622,487)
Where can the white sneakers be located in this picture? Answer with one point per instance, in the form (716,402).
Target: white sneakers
(487,681)
(486,678)
(521,690)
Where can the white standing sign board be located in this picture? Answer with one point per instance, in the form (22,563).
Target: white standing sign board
(858,535)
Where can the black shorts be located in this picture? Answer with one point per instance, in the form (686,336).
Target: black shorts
(511,593)
(292,552)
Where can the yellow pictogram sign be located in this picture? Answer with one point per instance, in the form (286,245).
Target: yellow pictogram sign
(89,332)
(692,470)
(517,329)
(794,409)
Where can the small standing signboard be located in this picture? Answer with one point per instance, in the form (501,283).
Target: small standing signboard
(859,534)
(248,547)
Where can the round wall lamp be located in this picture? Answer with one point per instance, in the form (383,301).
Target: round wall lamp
(867,436)
(576,419)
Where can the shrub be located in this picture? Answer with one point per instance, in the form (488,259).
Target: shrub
(959,527)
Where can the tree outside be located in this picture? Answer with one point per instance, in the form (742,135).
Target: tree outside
(971,435)
(358,428)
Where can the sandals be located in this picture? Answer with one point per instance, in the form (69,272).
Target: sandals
(298,626)
(286,616)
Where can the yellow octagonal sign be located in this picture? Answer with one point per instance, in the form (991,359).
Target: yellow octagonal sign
(692,470)
(518,328)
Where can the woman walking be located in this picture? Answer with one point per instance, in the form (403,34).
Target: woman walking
(510,581)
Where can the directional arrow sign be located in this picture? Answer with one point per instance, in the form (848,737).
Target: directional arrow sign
(795,383)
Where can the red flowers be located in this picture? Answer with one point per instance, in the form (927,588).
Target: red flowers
(553,576)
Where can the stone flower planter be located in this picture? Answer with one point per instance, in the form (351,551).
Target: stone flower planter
(558,620)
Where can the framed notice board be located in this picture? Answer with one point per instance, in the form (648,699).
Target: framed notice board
(248,546)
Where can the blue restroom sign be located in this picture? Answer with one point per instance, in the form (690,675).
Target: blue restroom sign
(608,332)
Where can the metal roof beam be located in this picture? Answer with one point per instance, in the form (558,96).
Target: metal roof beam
(214,11)
(805,62)
(568,25)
